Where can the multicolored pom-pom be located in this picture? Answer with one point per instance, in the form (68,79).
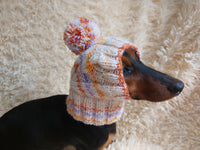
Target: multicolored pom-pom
(81,34)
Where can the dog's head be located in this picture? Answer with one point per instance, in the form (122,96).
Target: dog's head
(100,65)
(145,83)
(107,72)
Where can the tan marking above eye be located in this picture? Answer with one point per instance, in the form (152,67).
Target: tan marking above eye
(132,53)
(126,61)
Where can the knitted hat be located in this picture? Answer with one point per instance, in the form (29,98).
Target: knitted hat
(97,87)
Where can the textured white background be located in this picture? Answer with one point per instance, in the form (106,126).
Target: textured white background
(35,63)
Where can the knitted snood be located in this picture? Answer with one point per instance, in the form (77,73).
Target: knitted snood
(97,86)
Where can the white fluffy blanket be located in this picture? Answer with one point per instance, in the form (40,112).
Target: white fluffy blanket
(35,63)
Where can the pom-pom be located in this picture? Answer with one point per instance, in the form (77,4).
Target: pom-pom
(81,34)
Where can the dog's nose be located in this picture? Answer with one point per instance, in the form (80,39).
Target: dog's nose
(178,87)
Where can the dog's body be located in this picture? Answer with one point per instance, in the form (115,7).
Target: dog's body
(46,125)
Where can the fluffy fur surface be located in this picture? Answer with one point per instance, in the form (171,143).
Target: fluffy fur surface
(35,63)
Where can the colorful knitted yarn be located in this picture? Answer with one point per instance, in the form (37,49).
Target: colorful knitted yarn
(80,34)
(97,87)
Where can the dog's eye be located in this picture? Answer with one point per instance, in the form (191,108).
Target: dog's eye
(127,71)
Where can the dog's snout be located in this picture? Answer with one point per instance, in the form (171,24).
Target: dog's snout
(178,87)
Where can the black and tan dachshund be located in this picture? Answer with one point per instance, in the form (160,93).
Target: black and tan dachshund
(44,124)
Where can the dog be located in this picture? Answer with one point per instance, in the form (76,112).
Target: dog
(44,124)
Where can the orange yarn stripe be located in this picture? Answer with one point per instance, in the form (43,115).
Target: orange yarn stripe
(79,85)
(90,68)
(118,70)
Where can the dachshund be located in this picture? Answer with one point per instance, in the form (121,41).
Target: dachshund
(44,124)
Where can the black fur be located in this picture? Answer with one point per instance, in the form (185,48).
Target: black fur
(45,124)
